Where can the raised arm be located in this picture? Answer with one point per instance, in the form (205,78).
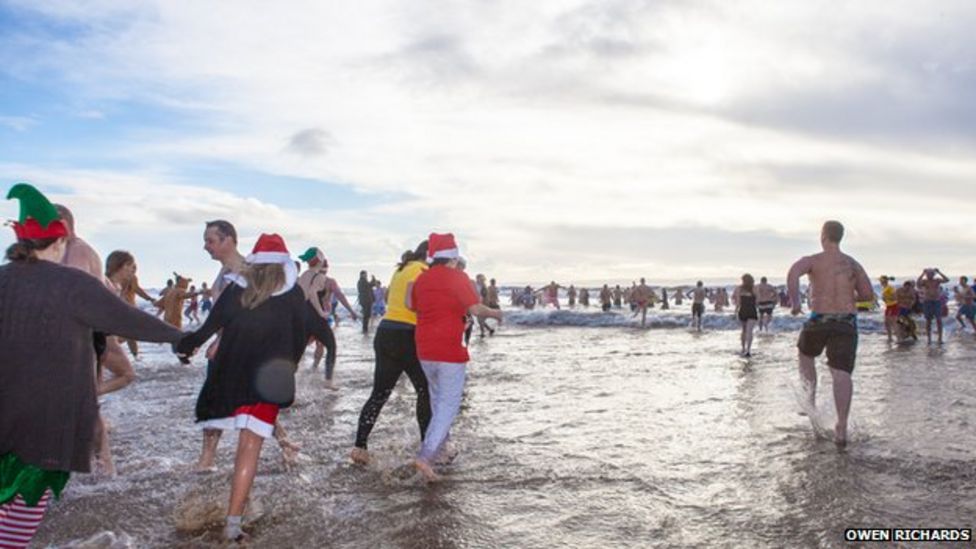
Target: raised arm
(800,268)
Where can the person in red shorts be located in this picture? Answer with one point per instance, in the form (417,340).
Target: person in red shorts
(441,297)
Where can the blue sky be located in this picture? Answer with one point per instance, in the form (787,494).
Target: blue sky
(580,140)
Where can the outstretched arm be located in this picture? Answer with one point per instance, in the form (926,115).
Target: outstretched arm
(219,316)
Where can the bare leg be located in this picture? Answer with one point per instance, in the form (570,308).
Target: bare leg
(103,453)
(749,329)
(289,450)
(928,330)
(245,467)
(208,454)
(938,324)
(115,361)
(888,323)
(808,376)
(843,390)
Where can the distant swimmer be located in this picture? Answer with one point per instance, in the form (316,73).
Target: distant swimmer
(618,296)
(697,296)
(641,296)
(571,295)
(527,298)
(744,297)
(206,303)
(964,299)
(492,299)
(191,312)
(891,306)
(664,299)
(766,303)
(837,283)
(907,299)
(606,298)
(364,295)
(584,297)
(679,295)
(931,288)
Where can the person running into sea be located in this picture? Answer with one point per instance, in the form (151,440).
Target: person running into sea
(837,283)
(550,294)
(527,299)
(606,298)
(907,299)
(664,299)
(766,298)
(640,296)
(584,297)
(379,300)
(109,355)
(120,269)
(48,407)
(265,323)
(931,288)
(191,310)
(206,303)
(320,289)
(964,299)
(679,295)
(442,296)
(364,291)
(395,350)
(492,299)
(744,298)
(697,295)
(891,306)
(571,296)
(618,297)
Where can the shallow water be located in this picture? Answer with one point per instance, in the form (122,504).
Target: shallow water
(574,436)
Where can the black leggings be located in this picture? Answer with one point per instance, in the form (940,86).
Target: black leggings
(396,352)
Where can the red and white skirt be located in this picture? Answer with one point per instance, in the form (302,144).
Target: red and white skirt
(258,418)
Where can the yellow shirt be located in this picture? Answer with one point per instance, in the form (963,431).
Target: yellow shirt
(396,297)
(888,295)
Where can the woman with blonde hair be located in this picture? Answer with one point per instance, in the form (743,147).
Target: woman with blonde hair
(266,322)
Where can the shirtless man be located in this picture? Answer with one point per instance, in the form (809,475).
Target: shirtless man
(108,351)
(319,290)
(906,298)
(965,298)
(837,283)
(766,297)
(618,296)
(491,300)
(697,295)
(664,299)
(584,297)
(641,296)
(931,288)
(679,295)
(571,294)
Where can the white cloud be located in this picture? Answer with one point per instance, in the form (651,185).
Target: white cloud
(506,119)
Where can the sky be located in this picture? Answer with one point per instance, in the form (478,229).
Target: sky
(579,141)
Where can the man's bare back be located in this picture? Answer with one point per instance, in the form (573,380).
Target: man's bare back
(837,282)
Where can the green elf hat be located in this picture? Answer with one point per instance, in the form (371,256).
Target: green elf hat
(312,256)
(38,217)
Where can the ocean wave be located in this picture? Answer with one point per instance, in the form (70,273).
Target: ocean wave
(867,322)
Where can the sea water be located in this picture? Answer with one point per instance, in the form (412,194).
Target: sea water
(578,429)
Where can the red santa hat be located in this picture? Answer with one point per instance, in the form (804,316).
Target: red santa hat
(271,249)
(441,246)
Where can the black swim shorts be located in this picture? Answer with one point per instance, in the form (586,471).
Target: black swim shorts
(100,343)
(697,309)
(839,337)
(767,307)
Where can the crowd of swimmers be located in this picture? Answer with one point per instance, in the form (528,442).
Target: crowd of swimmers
(63,320)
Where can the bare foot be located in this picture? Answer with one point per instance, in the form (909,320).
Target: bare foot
(425,470)
(289,452)
(205,464)
(359,456)
(330,384)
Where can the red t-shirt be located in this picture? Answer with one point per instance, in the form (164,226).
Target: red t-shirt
(441,296)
